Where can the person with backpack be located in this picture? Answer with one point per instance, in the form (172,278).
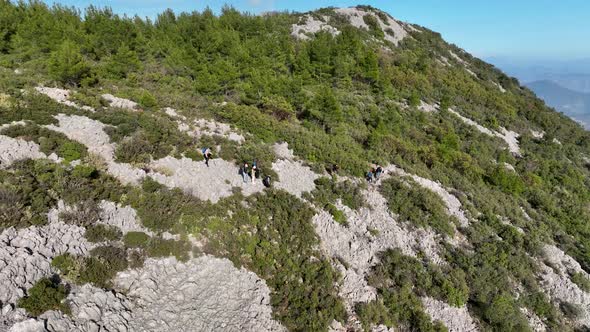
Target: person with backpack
(245,170)
(207,155)
(369,175)
(378,172)
(266,181)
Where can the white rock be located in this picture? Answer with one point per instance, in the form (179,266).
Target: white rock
(283,152)
(61,96)
(121,102)
(510,137)
(92,309)
(499,86)
(26,254)
(310,25)
(428,108)
(123,217)
(538,134)
(14,149)
(29,325)
(204,294)
(91,133)
(355,16)
(558,286)
(535,323)
(207,183)
(370,231)
(294,177)
(455,319)
(210,128)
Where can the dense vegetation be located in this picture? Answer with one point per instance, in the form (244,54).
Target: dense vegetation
(335,100)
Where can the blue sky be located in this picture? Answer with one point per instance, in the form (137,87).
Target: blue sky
(526,29)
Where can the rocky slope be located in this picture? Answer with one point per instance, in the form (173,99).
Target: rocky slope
(115,202)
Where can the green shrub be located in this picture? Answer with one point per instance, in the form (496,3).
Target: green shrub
(327,191)
(102,266)
(417,205)
(147,100)
(159,247)
(68,265)
(150,185)
(581,280)
(46,294)
(338,215)
(85,214)
(136,240)
(101,233)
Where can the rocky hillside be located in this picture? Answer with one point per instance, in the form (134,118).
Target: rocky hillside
(111,220)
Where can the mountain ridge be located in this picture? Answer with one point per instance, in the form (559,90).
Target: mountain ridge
(478,220)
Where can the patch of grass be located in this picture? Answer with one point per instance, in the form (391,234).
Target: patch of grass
(46,294)
(101,233)
(136,240)
(416,205)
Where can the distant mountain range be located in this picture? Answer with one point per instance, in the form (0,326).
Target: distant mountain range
(563,85)
(575,104)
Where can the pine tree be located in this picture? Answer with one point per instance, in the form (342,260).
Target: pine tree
(67,64)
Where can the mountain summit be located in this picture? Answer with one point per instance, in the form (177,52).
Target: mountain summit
(336,170)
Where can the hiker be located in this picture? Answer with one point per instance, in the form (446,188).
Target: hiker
(245,170)
(207,154)
(378,172)
(369,175)
(333,170)
(266,181)
(256,170)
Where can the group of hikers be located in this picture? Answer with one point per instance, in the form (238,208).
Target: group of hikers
(374,173)
(251,172)
(248,173)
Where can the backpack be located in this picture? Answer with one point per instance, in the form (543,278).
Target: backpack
(204,150)
(266,181)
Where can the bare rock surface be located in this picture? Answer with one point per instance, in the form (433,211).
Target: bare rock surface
(14,149)
(428,108)
(283,152)
(535,323)
(372,230)
(26,254)
(369,232)
(455,319)
(203,294)
(294,176)
(91,133)
(310,25)
(355,16)
(555,282)
(93,309)
(499,86)
(123,217)
(207,183)
(201,127)
(510,137)
(122,103)
(61,96)
(29,325)
(537,134)
(394,31)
